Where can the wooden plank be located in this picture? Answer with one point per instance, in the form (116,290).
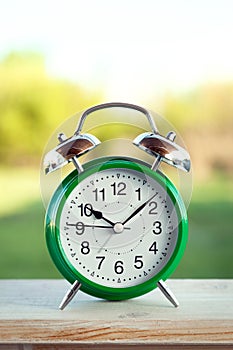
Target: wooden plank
(111,346)
(29,316)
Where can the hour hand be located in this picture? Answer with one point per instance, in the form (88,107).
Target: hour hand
(99,215)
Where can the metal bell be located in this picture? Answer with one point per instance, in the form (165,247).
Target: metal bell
(68,150)
(164,149)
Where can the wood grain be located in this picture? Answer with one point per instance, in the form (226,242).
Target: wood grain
(30,319)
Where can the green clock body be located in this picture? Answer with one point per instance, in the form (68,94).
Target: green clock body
(118,228)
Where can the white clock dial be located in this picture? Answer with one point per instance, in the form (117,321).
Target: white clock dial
(118,227)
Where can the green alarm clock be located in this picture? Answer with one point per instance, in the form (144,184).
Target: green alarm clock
(116,227)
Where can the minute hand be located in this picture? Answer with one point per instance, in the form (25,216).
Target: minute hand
(138,209)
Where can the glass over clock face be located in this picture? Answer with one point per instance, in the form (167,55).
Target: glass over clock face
(119,226)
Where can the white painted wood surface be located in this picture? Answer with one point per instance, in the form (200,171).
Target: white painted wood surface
(30,319)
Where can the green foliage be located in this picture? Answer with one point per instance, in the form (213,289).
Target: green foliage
(207,107)
(209,250)
(204,118)
(32,105)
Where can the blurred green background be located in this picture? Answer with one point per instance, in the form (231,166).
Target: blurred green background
(35,99)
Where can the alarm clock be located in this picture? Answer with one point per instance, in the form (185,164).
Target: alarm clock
(116,227)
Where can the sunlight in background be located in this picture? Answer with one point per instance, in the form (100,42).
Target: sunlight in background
(130,50)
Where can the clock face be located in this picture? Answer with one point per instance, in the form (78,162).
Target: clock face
(119,226)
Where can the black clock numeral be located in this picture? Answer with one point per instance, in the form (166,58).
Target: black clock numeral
(85,247)
(118,188)
(138,262)
(158,227)
(153,248)
(101,260)
(80,228)
(99,194)
(85,209)
(118,267)
(153,206)
(139,193)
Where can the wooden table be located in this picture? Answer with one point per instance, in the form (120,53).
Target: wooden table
(30,319)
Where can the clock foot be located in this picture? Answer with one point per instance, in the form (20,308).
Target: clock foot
(70,294)
(168,293)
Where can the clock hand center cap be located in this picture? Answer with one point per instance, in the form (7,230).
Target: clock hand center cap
(118,227)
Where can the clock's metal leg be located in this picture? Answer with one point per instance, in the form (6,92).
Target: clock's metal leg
(70,294)
(168,293)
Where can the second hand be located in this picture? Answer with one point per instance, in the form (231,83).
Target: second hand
(80,224)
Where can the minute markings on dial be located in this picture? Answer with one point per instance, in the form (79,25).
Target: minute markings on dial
(126,247)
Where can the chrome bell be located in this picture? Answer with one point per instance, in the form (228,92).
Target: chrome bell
(164,149)
(69,149)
